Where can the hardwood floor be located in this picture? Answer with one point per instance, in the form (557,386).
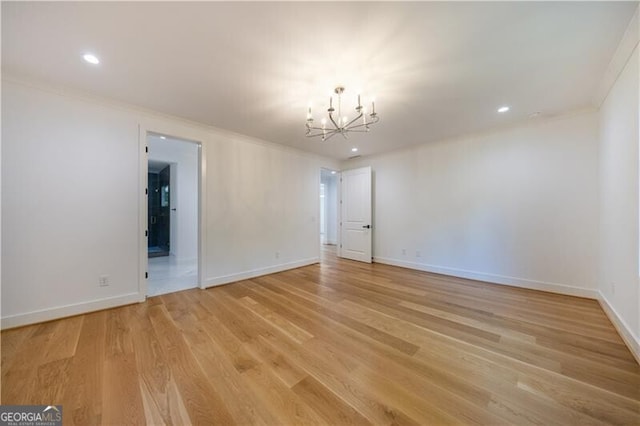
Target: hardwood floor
(336,343)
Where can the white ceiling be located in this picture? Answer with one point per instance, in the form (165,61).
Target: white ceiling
(436,69)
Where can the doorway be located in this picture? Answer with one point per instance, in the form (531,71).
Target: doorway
(158,211)
(328,211)
(172,214)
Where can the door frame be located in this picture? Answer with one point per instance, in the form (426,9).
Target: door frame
(143,260)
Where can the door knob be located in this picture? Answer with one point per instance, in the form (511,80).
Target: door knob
(366,226)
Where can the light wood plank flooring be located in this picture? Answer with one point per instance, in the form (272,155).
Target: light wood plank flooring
(337,343)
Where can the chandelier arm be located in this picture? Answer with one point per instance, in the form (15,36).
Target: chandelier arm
(368,123)
(318,128)
(324,132)
(356,126)
(347,126)
(333,121)
(332,134)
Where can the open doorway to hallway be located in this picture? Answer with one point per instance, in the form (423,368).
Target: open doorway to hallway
(172,218)
(328,211)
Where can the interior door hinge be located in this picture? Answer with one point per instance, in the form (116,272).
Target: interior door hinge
(146,275)
(146,191)
(146,232)
(146,149)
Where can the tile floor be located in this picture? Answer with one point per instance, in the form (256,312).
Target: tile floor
(168,274)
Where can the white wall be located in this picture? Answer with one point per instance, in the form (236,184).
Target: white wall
(71,194)
(619,199)
(262,209)
(183,157)
(517,206)
(70,202)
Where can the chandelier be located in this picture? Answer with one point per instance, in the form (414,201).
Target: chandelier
(341,124)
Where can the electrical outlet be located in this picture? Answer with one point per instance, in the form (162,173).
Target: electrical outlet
(103,280)
(418,253)
(404,252)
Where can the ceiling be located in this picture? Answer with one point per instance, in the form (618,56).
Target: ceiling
(437,69)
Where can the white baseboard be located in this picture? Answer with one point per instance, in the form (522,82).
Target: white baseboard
(226,279)
(494,278)
(67,310)
(632,342)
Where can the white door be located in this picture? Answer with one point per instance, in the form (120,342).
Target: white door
(355,214)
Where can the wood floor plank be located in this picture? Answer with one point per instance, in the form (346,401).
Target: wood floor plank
(162,401)
(11,341)
(339,342)
(82,400)
(20,379)
(121,398)
(203,403)
(361,327)
(294,332)
(64,339)
(337,378)
(243,404)
(330,407)
(51,381)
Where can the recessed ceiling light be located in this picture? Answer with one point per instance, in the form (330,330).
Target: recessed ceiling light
(163,137)
(503,109)
(333,172)
(91,58)
(354,149)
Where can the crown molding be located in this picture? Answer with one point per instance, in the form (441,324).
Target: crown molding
(623,53)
